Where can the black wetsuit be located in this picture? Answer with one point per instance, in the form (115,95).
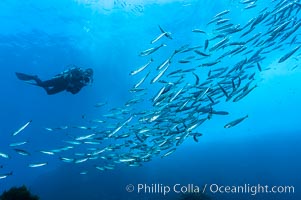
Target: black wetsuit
(71,80)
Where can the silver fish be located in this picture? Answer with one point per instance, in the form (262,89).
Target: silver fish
(3,176)
(198,31)
(167,61)
(4,155)
(17,144)
(160,74)
(81,160)
(169,152)
(158,94)
(141,81)
(22,128)
(219,44)
(67,160)
(151,50)
(235,122)
(158,38)
(47,152)
(289,54)
(141,68)
(100,168)
(34,165)
(119,127)
(22,152)
(127,159)
(168,34)
(100,104)
(221,13)
(177,93)
(84,137)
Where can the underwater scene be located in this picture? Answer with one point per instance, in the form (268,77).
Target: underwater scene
(150,100)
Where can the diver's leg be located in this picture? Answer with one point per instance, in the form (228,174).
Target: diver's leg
(51,86)
(48,83)
(53,90)
(54,85)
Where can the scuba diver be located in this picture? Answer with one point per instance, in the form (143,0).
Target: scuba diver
(71,80)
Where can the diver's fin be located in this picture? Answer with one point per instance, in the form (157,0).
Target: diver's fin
(25,77)
(30,82)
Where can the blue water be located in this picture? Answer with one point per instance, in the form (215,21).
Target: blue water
(44,37)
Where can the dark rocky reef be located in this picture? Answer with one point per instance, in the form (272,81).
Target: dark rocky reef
(18,193)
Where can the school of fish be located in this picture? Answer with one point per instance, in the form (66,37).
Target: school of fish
(173,97)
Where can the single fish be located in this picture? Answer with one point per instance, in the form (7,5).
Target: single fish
(196,135)
(119,127)
(99,168)
(141,68)
(251,5)
(109,167)
(67,160)
(22,152)
(293,68)
(49,129)
(4,155)
(219,112)
(184,61)
(73,142)
(151,50)
(3,176)
(158,94)
(289,54)
(259,67)
(198,31)
(167,61)
(141,81)
(219,44)
(34,165)
(100,104)
(221,13)
(47,152)
(169,152)
(160,74)
(224,27)
(81,160)
(210,63)
(168,34)
(235,122)
(22,128)
(177,93)
(84,137)
(17,144)
(222,21)
(158,38)
(127,159)
(197,81)
(206,44)
(201,53)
